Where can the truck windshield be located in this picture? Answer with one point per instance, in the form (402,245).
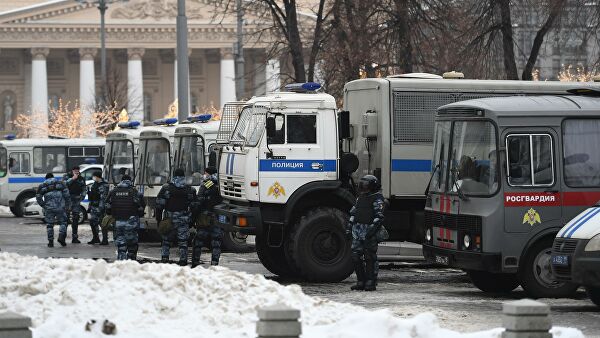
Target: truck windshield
(250,126)
(441,144)
(3,166)
(191,158)
(157,165)
(120,160)
(473,158)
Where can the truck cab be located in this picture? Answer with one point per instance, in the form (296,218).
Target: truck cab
(280,180)
(121,152)
(507,175)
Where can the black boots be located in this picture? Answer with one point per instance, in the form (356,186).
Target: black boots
(359,269)
(370,274)
(104,241)
(51,244)
(164,259)
(104,237)
(75,241)
(61,240)
(182,263)
(94,240)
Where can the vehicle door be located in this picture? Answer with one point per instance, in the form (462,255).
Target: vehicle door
(532,192)
(297,154)
(19,171)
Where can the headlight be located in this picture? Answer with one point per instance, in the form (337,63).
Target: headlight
(467,241)
(428,235)
(593,244)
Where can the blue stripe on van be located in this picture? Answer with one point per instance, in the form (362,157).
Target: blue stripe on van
(406,165)
(26,179)
(576,221)
(590,216)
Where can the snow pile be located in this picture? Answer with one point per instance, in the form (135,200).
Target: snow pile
(5,210)
(160,300)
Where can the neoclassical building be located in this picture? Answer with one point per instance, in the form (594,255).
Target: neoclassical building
(49,50)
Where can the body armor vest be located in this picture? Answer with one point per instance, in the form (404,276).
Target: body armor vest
(123,204)
(364,209)
(94,193)
(178,199)
(75,187)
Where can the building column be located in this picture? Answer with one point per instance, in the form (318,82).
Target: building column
(227,76)
(135,84)
(39,92)
(272,73)
(87,86)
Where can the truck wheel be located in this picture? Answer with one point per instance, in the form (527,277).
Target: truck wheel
(272,258)
(235,242)
(535,273)
(594,294)
(13,210)
(318,246)
(19,208)
(493,282)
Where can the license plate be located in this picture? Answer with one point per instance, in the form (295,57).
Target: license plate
(223,219)
(560,260)
(443,260)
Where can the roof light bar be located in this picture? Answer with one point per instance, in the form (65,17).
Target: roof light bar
(165,122)
(303,87)
(200,118)
(129,125)
(10,137)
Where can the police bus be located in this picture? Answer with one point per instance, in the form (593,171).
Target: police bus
(288,172)
(121,152)
(25,162)
(507,174)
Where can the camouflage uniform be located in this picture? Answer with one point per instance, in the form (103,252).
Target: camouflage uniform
(366,218)
(176,200)
(53,196)
(97,196)
(77,190)
(208,197)
(126,205)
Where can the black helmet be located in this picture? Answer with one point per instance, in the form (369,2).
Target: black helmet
(178,172)
(368,184)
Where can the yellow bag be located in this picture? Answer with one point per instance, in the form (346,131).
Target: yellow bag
(107,223)
(204,221)
(165,226)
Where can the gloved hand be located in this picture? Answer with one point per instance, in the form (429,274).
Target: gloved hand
(372,231)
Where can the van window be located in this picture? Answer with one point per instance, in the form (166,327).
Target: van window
(581,138)
(49,160)
(3,160)
(19,163)
(279,137)
(529,160)
(75,152)
(301,129)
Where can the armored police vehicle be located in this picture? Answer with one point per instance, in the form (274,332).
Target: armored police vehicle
(25,162)
(576,249)
(507,174)
(288,172)
(155,158)
(121,152)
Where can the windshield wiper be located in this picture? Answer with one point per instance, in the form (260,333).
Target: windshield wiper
(437,167)
(459,191)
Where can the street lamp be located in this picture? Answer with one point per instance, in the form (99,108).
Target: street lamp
(102,6)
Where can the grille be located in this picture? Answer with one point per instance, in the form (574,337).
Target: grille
(229,117)
(233,187)
(564,246)
(414,112)
(462,223)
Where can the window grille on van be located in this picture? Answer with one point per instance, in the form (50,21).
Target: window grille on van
(229,117)
(414,112)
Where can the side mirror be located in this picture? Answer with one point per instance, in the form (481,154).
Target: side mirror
(271,129)
(344,124)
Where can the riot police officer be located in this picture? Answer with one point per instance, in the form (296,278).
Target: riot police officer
(53,196)
(126,205)
(77,190)
(208,197)
(366,220)
(175,199)
(97,194)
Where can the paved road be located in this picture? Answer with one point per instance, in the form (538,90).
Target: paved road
(406,288)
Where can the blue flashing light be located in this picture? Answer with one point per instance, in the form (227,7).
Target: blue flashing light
(200,118)
(90,160)
(165,122)
(129,125)
(303,87)
(10,137)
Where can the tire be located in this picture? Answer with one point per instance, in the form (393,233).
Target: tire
(535,273)
(493,282)
(273,259)
(13,210)
(594,294)
(318,247)
(84,214)
(19,208)
(235,242)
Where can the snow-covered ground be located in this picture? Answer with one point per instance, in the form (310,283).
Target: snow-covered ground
(161,300)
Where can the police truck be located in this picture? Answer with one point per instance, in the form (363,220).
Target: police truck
(288,173)
(121,152)
(507,174)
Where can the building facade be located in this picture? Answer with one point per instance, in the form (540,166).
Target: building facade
(49,51)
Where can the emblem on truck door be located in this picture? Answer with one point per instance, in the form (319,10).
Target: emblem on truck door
(532,217)
(276,190)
